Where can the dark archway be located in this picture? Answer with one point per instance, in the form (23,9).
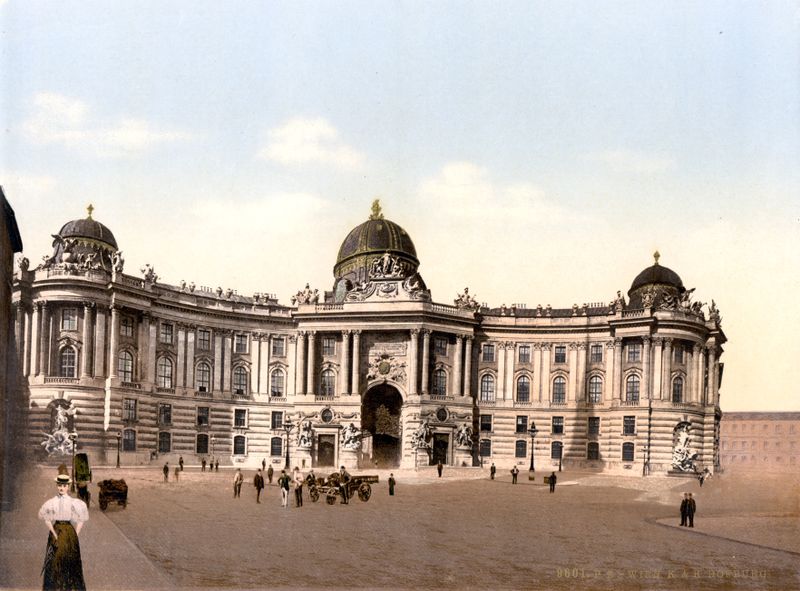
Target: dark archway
(380,419)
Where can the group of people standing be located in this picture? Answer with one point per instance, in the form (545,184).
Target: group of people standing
(688,509)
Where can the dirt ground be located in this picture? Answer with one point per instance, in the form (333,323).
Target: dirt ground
(462,531)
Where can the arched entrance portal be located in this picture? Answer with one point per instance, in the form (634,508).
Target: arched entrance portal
(380,417)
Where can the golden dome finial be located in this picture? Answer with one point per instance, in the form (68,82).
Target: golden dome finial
(90,209)
(656,256)
(376,214)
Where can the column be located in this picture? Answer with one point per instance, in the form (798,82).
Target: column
(113,356)
(300,373)
(344,363)
(26,356)
(311,367)
(608,381)
(711,388)
(262,345)
(688,383)
(413,359)
(180,367)
(100,343)
(572,386)
(356,386)
(49,339)
(143,337)
(426,360)
(255,365)
(190,336)
(501,371)
(227,350)
(152,340)
(19,329)
(468,368)
(292,343)
(87,338)
(697,386)
(536,393)
(511,360)
(580,382)
(217,361)
(617,393)
(666,371)
(44,340)
(35,339)
(455,386)
(645,393)
(546,372)
(658,363)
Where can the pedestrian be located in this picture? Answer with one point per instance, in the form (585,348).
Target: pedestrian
(297,480)
(177,473)
(344,478)
(691,509)
(264,464)
(64,517)
(514,472)
(439,468)
(166,472)
(392,483)
(492,471)
(684,508)
(270,472)
(216,465)
(258,482)
(203,465)
(238,478)
(283,483)
(180,462)
(553,482)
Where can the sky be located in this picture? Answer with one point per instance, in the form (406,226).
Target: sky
(537,152)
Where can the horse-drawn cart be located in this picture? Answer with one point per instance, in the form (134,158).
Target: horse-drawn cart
(333,486)
(113,491)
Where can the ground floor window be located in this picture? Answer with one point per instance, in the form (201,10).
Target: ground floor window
(521,449)
(239,445)
(164,442)
(129,440)
(276,446)
(485,448)
(555,450)
(201,446)
(627,452)
(593,451)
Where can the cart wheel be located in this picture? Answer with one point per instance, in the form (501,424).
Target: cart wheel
(103,504)
(331,497)
(364,491)
(314,494)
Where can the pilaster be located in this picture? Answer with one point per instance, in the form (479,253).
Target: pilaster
(468,368)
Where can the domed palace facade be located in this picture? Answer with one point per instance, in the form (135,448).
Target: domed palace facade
(373,373)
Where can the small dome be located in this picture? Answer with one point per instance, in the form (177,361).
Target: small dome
(88,228)
(657,275)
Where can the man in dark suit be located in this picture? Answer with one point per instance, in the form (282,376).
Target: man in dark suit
(439,468)
(552,482)
(258,482)
(344,478)
(270,472)
(690,510)
(684,508)
(492,471)
(514,472)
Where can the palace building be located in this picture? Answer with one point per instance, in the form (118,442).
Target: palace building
(374,372)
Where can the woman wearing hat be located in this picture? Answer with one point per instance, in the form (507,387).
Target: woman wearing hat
(64,517)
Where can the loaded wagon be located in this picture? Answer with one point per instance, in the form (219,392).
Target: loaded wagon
(333,486)
(113,491)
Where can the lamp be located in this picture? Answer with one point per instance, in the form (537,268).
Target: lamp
(73,437)
(533,431)
(287,426)
(119,437)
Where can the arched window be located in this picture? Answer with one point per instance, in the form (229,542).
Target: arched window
(523,389)
(164,372)
(240,380)
(595,390)
(277,379)
(559,390)
(276,446)
(202,377)
(593,451)
(164,442)
(521,449)
(328,383)
(239,445)
(128,440)
(67,362)
(556,449)
(487,388)
(677,390)
(125,366)
(439,383)
(632,388)
(201,446)
(627,452)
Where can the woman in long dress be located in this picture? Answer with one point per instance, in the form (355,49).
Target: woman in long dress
(64,517)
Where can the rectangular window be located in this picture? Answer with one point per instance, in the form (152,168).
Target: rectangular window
(593,451)
(240,343)
(277,420)
(560,354)
(440,346)
(522,424)
(485,448)
(126,326)
(678,353)
(594,425)
(164,442)
(69,319)
(240,417)
(329,346)
(488,353)
(629,425)
(558,425)
(128,409)
(521,449)
(201,444)
(634,352)
(166,333)
(278,347)
(524,354)
(164,414)
(276,447)
(129,440)
(204,339)
(239,445)
(486,423)
(627,452)
(202,416)
(596,354)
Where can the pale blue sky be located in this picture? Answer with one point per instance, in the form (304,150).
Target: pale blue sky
(537,152)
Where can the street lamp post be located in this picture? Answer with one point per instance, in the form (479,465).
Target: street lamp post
(287,426)
(73,437)
(644,460)
(213,440)
(119,437)
(533,431)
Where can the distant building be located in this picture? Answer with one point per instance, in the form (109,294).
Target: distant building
(373,372)
(767,441)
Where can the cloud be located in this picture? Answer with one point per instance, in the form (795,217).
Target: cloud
(58,119)
(307,141)
(626,161)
